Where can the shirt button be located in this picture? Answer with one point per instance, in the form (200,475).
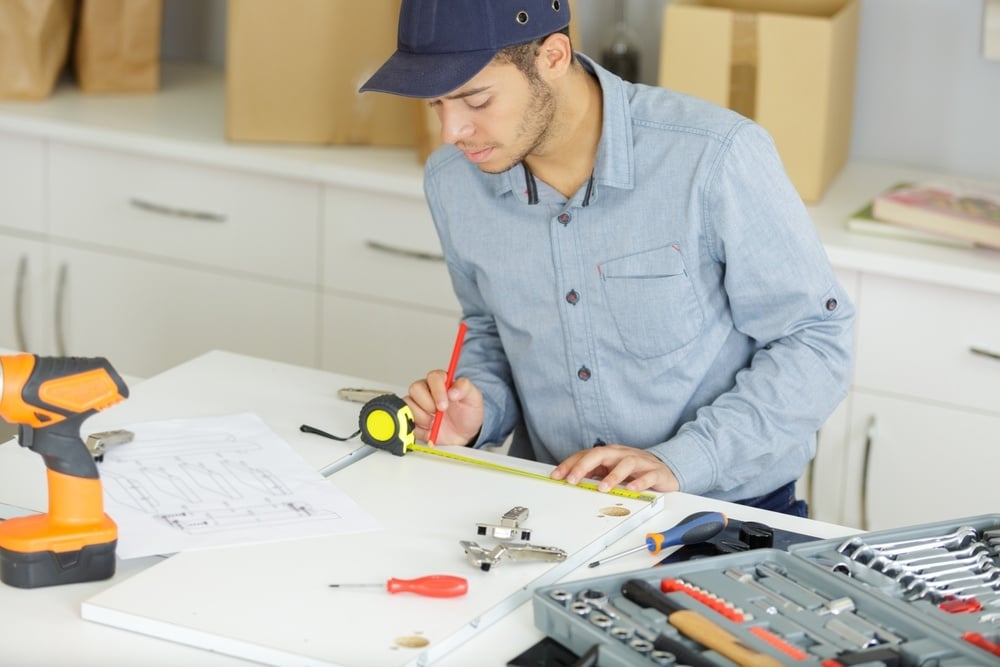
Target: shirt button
(831,304)
(564,218)
(583,373)
(572,297)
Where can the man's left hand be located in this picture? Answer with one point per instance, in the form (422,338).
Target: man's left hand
(615,464)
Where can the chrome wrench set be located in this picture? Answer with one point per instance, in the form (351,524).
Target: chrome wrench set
(959,569)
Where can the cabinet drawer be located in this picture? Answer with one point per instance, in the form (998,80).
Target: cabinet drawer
(25,308)
(385,246)
(914,339)
(148,316)
(21,183)
(195,214)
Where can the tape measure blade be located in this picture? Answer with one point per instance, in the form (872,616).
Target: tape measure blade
(588,486)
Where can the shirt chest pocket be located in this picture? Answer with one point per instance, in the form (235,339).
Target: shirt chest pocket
(652,301)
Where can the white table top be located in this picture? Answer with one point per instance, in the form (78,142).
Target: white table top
(287,604)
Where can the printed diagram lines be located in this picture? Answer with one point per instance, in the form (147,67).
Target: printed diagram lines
(182,447)
(217,481)
(259,479)
(225,518)
(203,483)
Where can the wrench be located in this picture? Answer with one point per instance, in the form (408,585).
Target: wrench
(902,571)
(959,538)
(946,555)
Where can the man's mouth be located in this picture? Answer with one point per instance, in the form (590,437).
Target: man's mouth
(478,156)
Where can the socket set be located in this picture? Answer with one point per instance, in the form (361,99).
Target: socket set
(812,605)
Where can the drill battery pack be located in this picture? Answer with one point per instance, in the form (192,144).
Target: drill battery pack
(93,562)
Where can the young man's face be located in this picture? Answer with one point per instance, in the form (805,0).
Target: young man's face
(498,118)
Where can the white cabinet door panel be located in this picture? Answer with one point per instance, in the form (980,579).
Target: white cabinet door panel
(926,462)
(147,317)
(22,175)
(387,343)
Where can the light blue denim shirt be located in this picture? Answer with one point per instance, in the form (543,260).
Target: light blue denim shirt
(680,302)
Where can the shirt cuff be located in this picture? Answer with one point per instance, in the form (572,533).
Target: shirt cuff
(690,460)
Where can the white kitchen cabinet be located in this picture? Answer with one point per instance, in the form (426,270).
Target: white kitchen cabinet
(925,412)
(147,316)
(918,438)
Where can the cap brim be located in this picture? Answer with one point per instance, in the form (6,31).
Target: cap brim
(426,75)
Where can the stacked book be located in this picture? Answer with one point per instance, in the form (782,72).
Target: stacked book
(946,212)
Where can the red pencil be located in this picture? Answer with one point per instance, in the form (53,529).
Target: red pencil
(449,378)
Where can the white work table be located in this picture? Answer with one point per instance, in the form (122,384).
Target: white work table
(270,601)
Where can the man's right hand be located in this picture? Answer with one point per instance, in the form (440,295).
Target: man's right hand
(462,406)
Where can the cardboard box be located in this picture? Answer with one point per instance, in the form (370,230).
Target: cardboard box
(788,64)
(293,69)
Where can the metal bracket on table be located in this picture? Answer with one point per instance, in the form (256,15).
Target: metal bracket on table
(509,527)
(484,558)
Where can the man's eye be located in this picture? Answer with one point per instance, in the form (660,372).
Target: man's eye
(478,104)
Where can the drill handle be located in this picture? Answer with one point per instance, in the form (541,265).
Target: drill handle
(60,447)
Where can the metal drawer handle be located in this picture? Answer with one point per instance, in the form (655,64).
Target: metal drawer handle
(22,278)
(983,352)
(870,435)
(405,252)
(60,308)
(174,212)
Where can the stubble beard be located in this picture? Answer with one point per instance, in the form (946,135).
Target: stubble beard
(535,127)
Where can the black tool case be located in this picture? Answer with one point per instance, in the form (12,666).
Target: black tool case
(823,603)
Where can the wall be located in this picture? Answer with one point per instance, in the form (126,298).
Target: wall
(924,96)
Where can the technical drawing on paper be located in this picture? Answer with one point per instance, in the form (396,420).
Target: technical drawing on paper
(201,483)
(220,479)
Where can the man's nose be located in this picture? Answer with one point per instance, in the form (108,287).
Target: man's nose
(455,126)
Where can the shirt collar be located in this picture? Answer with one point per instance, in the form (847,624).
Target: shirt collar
(615,163)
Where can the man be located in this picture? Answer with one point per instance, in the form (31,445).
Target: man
(646,297)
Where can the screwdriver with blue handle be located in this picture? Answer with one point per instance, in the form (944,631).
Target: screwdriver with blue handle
(697,527)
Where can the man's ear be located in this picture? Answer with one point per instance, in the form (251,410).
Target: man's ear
(555,56)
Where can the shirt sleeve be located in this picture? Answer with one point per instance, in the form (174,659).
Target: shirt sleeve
(483,360)
(784,296)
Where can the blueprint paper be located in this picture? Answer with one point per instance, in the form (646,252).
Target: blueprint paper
(218,481)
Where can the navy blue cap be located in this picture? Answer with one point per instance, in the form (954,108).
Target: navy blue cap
(444,43)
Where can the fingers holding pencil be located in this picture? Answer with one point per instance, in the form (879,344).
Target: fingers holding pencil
(462,416)
(446,410)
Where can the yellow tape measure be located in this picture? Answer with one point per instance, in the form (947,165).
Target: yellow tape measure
(386,422)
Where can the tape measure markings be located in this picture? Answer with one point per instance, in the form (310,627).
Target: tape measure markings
(617,491)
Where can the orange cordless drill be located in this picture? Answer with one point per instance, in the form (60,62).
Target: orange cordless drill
(49,398)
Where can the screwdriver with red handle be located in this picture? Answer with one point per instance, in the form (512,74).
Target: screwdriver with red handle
(431,586)
(693,529)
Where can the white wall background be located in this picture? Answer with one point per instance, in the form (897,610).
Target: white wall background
(924,96)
